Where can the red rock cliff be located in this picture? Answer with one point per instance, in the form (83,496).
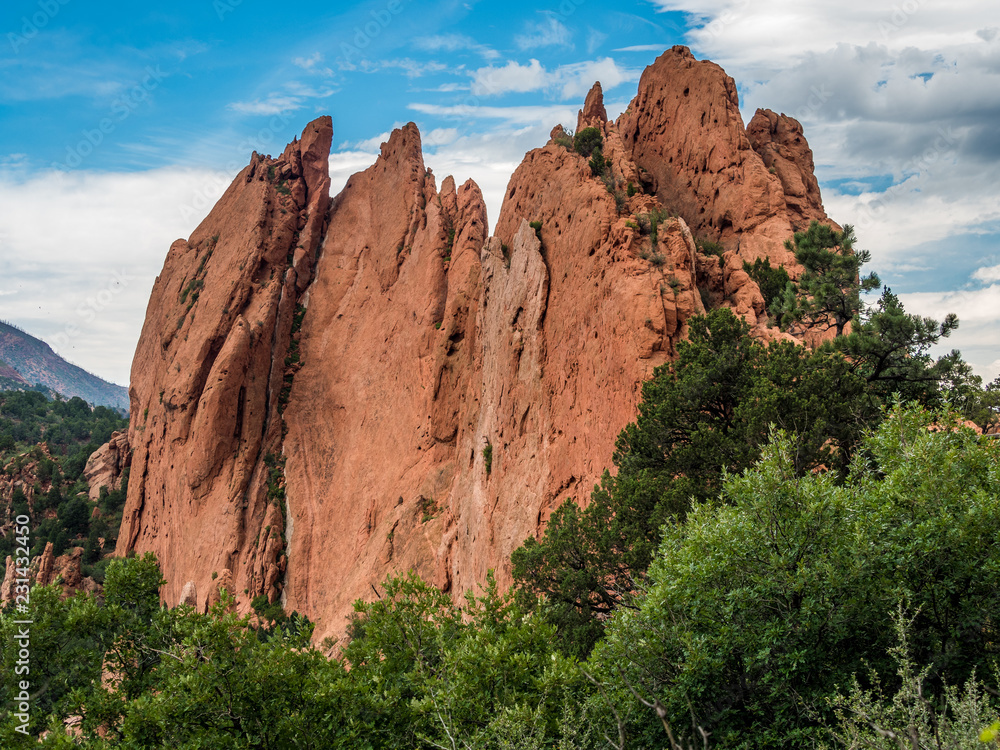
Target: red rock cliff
(329,391)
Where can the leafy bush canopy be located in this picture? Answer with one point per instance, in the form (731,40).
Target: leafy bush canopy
(762,603)
(587,140)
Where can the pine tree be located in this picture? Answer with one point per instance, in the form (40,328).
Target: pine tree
(828,293)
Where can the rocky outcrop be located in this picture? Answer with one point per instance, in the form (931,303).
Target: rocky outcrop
(685,133)
(65,570)
(9,576)
(189,595)
(781,144)
(107,464)
(593,114)
(210,374)
(22,473)
(329,391)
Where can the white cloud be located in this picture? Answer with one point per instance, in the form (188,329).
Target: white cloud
(565,81)
(768,33)
(308,63)
(273,104)
(455,43)
(94,268)
(978,335)
(293,98)
(511,78)
(449,88)
(372,145)
(440,137)
(987,275)
(641,48)
(548,33)
(515,115)
(410,67)
(311,64)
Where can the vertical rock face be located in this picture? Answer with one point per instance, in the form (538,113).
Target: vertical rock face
(387,351)
(209,375)
(327,392)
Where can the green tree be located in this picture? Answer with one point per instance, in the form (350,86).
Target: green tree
(771,281)
(828,293)
(587,140)
(64,650)
(759,607)
(430,673)
(708,413)
(890,349)
(219,686)
(74,514)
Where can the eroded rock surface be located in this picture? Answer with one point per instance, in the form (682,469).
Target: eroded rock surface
(107,464)
(329,391)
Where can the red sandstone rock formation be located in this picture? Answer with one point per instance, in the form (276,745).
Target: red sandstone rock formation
(65,570)
(209,374)
(320,382)
(685,133)
(107,464)
(780,143)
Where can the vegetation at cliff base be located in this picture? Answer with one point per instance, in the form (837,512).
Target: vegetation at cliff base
(767,617)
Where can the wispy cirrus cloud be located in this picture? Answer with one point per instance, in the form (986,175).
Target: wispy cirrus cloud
(294,97)
(527,114)
(273,104)
(641,48)
(410,67)
(312,64)
(549,32)
(455,43)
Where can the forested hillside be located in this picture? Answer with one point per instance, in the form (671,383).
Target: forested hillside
(44,447)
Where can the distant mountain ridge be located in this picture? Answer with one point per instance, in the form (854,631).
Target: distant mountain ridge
(26,361)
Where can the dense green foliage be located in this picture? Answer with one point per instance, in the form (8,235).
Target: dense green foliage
(772,281)
(72,431)
(769,612)
(68,427)
(418,671)
(765,601)
(709,412)
(587,140)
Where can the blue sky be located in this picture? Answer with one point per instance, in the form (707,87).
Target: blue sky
(186,83)
(120,125)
